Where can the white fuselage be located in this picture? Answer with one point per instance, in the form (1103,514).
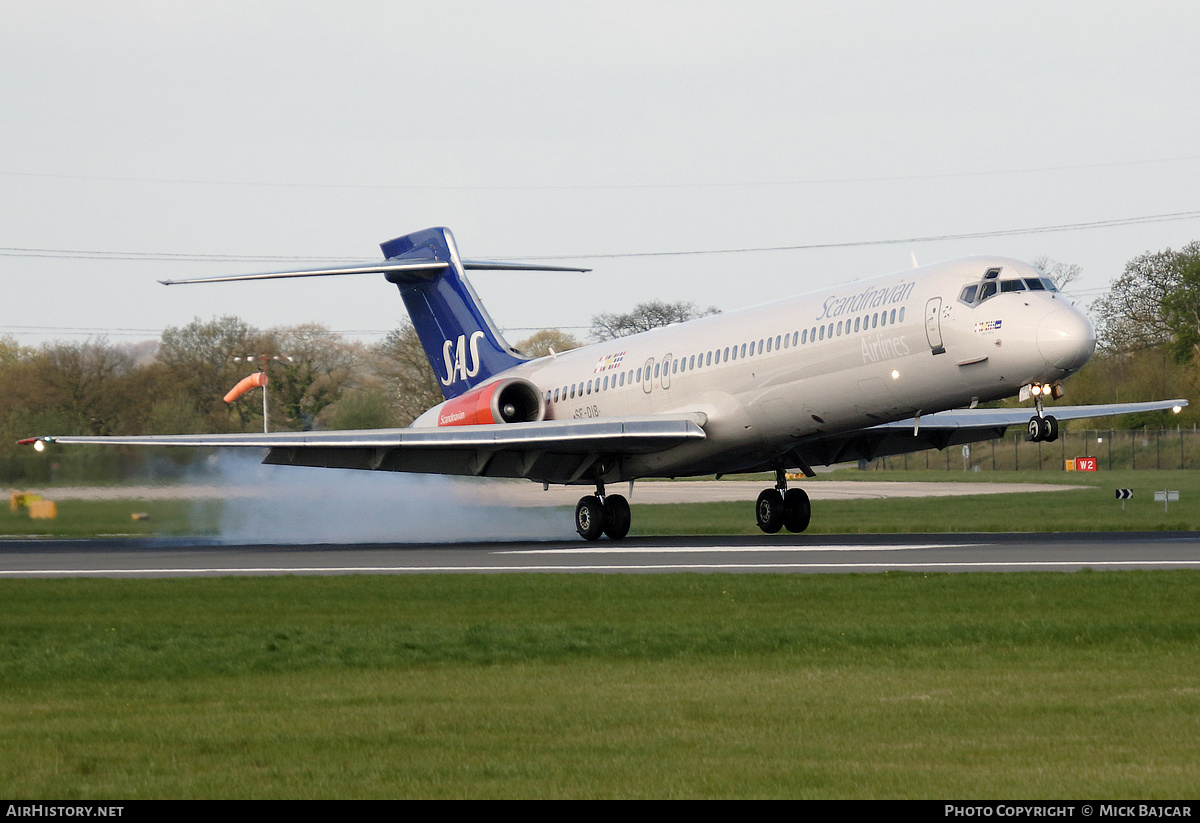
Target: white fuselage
(835,360)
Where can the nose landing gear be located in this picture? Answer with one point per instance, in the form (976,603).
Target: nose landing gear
(781,507)
(1043,428)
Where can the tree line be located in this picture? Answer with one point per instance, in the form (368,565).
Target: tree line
(1148,331)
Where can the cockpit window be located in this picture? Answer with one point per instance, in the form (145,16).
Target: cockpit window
(990,285)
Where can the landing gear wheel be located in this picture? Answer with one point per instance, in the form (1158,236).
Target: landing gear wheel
(1051,424)
(616,516)
(768,511)
(589,517)
(1037,429)
(797,511)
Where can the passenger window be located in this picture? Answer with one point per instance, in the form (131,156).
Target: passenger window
(692,362)
(572,391)
(901,314)
(856,324)
(743,350)
(795,337)
(822,332)
(804,337)
(874,321)
(639,375)
(708,360)
(777,339)
(892,319)
(768,344)
(726,354)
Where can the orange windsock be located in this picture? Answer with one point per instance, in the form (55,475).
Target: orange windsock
(259,378)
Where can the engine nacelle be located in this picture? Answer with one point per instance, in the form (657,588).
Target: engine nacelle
(514,400)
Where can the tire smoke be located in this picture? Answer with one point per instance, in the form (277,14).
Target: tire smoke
(286,504)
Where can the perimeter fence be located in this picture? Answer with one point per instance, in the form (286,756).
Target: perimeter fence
(1176,448)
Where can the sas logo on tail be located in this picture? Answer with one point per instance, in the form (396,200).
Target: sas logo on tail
(460,361)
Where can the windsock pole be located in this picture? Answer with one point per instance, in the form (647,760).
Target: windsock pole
(259,378)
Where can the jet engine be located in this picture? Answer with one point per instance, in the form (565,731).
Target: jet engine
(514,400)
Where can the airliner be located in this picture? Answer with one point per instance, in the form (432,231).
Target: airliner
(885,366)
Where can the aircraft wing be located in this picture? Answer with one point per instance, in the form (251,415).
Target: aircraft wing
(558,451)
(949,428)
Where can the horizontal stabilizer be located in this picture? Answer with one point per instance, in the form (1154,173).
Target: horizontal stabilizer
(424,270)
(428,268)
(486,265)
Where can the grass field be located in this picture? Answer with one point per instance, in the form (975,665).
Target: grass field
(887,685)
(1092,508)
(820,686)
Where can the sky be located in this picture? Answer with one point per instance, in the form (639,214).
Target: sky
(237,132)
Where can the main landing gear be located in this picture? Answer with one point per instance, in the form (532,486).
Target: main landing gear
(782,508)
(599,514)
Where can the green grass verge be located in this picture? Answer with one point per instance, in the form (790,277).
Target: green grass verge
(92,518)
(1093,507)
(888,685)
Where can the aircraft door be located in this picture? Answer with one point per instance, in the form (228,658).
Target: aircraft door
(933,325)
(666,371)
(648,376)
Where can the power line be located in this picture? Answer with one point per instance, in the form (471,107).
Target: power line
(12,251)
(174,257)
(1095,224)
(602,186)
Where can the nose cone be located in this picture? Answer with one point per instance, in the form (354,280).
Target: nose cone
(1066,339)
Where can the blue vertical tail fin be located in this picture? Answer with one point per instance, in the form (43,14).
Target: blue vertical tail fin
(462,343)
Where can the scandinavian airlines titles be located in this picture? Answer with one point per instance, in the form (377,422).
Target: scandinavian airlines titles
(871,298)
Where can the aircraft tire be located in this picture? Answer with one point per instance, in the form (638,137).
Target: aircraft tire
(617,518)
(768,511)
(1037,429)
(589,517)
(797,510)
(1051,423)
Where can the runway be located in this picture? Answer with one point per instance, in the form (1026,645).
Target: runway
(810,554)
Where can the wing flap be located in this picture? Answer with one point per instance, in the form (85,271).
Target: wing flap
(957,427)
(551,450)
(976,418)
